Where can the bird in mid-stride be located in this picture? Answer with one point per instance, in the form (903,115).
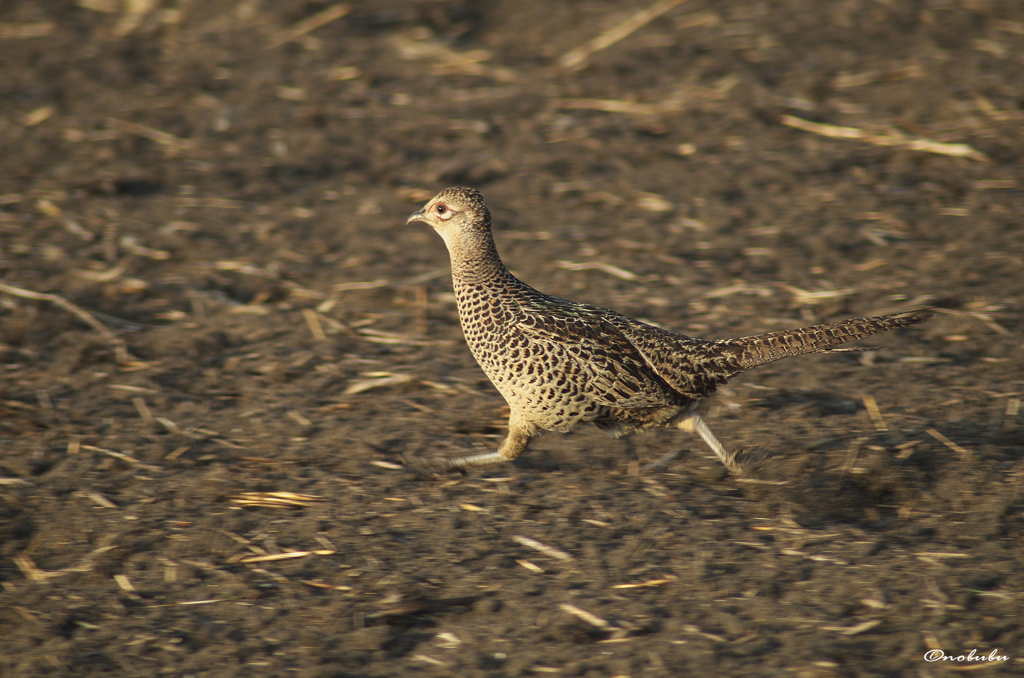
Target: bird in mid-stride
(559,363)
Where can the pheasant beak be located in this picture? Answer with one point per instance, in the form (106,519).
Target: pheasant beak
(418,215)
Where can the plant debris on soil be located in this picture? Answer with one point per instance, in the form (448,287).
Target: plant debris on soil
(224,352)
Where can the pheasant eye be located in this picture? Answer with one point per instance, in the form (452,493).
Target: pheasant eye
(441,208)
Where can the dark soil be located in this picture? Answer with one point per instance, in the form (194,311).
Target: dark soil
(229,199)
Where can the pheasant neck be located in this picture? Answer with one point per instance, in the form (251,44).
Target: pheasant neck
(476,261)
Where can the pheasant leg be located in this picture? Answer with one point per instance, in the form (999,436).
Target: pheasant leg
(510,449)
(695,424)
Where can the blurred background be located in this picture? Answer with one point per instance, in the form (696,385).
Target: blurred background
(222,346)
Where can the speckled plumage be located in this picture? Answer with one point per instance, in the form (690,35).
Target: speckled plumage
(559,363)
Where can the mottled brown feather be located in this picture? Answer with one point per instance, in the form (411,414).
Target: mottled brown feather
(559,363)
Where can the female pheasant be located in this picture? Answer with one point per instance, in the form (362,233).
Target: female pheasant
(559,363)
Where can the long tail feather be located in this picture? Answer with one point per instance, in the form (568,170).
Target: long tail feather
(765,348)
